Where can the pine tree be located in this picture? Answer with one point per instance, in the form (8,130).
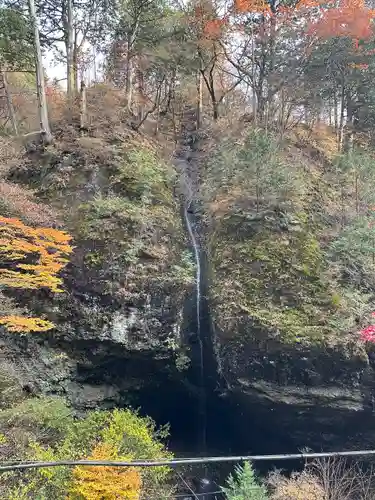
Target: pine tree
(243,485)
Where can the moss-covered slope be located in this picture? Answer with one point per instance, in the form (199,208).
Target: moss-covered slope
(285,279)
(271,248)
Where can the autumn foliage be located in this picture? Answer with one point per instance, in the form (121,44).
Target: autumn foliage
(31,259)
(256,6)
(368,334)
(350,18)
(325,18)
(107,483)
(25,324)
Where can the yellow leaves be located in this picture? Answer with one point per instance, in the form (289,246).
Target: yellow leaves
(29,281)
(107,483)
(21,324)
(19,242)
(30,259)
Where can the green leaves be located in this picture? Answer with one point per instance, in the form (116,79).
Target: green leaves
(124,431)
(16,42)
(50,413)
(244,485)
(255,164)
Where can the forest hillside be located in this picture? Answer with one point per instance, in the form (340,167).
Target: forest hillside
(187,247)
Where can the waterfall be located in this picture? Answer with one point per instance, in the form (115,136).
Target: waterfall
(203,408)
(198,269)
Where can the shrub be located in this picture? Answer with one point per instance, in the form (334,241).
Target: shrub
(302,486)
(326,479)
(93,483)
(51,432)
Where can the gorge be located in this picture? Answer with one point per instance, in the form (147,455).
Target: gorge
(187,245)
(188,298)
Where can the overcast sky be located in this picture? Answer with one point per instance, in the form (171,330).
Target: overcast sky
(58,70)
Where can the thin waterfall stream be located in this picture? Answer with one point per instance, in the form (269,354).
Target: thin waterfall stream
(198,277)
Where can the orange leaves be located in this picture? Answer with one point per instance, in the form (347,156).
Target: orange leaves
(351,18)
(107,483)
(208,24)
(259,6)
(263,6)
(302,4)
(213,28)
(30,259)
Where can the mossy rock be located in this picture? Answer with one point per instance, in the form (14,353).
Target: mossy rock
(275,279)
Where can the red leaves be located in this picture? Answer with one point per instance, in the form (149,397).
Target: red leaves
(325,18)
(368,333)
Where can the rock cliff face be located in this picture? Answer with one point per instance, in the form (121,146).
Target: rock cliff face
(281,306)
(118,322)
(285,307)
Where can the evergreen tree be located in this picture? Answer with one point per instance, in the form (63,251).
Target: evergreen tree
(244,485)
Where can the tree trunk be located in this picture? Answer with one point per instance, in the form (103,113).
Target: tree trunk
(306,114)
(330,113)
(8,97)
(69,46)
(141,92)
(199,99)
(174,104)
(271,65)
(215,107)
(348,132)
(83,108)
(319,111)
(41,92)
(94,64)
(75,65)
(282,117)
(156,131)
(336,111)
(211,89)
(342,119)
(253,75)
(129,75)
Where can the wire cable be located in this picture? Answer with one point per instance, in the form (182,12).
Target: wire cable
(184,461)
(198,495)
